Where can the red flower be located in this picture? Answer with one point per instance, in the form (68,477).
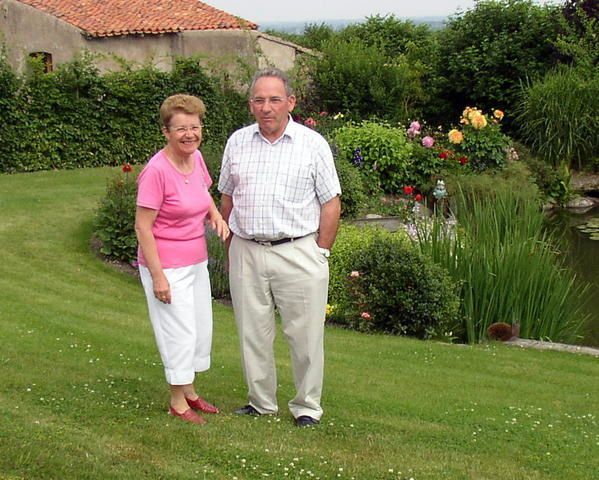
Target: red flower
(310,122)
(323,114)
(444,154)
(127,168)
(408,190)
(463,160)
(418,197)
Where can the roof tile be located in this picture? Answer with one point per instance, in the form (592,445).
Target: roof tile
(125,17)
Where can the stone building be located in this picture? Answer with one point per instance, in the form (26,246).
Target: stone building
(135,31)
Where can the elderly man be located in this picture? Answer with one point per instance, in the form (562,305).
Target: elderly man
(280,195)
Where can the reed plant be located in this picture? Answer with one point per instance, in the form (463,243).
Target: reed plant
(507,267)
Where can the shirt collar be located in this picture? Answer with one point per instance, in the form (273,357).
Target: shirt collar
(290,131)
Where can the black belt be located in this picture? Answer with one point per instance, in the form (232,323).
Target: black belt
(272,243)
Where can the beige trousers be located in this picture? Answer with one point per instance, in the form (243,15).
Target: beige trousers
(293,277)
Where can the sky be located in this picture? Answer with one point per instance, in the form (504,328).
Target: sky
(307,10)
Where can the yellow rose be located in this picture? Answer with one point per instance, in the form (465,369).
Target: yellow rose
(498,114)
(455,136)
(478,121)
(473,112)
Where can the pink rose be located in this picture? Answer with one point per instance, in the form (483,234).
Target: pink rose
(428,142)
(365,315)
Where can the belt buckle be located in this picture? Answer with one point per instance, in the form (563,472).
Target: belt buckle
(265,243)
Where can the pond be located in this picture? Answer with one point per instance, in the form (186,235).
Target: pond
(581,253)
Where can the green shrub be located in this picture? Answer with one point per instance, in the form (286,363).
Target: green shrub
(487,50)
(217,258)
(516,180)
(349,239)
(353,197)
(553,183)
(558,117)
(393,36)
(382,153)
(394,289)
(361,81)
(81,118)
(578,40)
(115,219)
(11,116)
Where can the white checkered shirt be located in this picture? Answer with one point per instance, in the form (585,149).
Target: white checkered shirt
(277,188)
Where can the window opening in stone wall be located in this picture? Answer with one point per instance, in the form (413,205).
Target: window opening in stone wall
(46,59)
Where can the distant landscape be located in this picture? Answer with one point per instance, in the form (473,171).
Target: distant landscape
(435,22)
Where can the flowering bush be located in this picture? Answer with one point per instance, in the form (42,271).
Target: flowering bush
(395,289)
(114,225)
(430,154)
(480,141)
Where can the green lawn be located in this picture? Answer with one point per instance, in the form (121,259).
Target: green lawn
(83,395)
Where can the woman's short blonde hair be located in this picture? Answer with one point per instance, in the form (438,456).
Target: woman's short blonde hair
(181,103)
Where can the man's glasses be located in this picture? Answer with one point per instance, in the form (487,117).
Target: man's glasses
(274,101)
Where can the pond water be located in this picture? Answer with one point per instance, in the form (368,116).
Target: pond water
(581,253)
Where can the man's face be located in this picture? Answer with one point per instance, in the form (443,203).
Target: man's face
(271,106)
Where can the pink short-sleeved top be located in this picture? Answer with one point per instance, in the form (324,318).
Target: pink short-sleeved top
(182,202)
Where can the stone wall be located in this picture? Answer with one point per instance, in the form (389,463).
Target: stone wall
(26,30)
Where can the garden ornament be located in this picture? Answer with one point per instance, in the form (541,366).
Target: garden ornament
(440,192)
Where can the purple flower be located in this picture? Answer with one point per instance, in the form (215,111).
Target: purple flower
(428,141)
(357,159)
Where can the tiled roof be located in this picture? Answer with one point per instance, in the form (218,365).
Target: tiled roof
(106,18)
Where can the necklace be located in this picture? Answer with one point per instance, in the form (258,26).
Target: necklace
(181,166)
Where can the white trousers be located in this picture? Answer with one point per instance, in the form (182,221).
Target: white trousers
(183,328)
(293,277)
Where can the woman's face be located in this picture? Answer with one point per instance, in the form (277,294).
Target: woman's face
(183,134)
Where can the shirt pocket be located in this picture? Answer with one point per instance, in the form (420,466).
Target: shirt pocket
(295,186)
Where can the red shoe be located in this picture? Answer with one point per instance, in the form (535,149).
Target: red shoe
(187,416)
(202,405)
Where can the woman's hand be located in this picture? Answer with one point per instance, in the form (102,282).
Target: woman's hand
(162,289)
(221,228)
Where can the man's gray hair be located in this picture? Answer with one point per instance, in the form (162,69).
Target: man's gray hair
(272,72)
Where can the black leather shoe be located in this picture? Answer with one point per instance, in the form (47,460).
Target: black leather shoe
(247,410)
(306,421)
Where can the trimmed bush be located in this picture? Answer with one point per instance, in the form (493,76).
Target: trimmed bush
(80,118)
(393,288)
(402,291)
(381,153)
(349,239)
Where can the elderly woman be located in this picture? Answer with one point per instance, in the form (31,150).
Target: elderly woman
(173,205)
